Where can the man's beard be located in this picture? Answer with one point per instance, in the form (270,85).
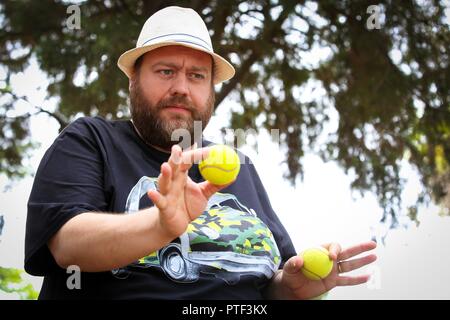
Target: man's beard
(155,130)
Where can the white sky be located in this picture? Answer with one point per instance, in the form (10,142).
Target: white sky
(413,265)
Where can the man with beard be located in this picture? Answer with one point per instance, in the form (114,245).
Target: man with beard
(123,204)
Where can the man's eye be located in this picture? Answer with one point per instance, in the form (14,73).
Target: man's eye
(166,72)
(198,76)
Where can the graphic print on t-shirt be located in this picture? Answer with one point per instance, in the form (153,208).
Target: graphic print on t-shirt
(227,241)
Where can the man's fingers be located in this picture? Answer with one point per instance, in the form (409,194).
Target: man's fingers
(165,178)
(183,161)
(179,169)
(175,159)
(158,199)
(174,172)
(179,180)
(350,265)
(334,250)
(193,156)
(355,250)
(352,281)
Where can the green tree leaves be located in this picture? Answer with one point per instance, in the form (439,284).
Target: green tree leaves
(11,281)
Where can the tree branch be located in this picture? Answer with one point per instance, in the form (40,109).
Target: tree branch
(254,56)
(57,116)
(62,121)
(241,72)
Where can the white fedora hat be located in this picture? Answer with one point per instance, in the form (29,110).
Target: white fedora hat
(175,26)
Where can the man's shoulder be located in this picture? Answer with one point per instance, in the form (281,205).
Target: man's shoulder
(96,121)
(86,125)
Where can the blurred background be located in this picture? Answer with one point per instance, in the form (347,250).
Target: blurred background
(359,94)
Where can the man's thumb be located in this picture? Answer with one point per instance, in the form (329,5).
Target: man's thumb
(209,189)
(293,265)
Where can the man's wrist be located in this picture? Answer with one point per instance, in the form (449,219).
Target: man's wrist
(156,227)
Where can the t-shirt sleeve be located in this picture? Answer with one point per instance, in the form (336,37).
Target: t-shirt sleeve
(280,234)
(68,182)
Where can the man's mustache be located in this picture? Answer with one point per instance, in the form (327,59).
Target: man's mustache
(177,100)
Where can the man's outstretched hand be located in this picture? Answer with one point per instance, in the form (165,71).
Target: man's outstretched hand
(179,199)
(291,283)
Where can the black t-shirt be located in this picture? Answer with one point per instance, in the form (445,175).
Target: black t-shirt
(95,165)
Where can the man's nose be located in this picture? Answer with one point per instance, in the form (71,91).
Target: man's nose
(180,85)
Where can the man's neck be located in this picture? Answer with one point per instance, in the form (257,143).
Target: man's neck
(159,148)
(151,145)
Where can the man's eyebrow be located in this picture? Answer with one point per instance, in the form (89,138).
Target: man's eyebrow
(198,69)
(166,64)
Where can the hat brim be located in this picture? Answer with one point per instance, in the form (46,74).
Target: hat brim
(223,70)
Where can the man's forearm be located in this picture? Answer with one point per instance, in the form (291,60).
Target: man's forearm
(101,241)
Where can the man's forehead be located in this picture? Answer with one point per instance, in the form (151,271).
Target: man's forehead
(177,54)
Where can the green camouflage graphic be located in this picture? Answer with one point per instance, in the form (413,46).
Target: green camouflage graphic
(226,229)
(223,241)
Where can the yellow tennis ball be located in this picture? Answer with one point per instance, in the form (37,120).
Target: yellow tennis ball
(221,166)
(316,263)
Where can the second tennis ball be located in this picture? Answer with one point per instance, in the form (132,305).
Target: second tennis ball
(316,263)
(221,166)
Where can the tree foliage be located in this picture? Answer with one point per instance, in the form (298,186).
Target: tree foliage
(389,87)
(11,281)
